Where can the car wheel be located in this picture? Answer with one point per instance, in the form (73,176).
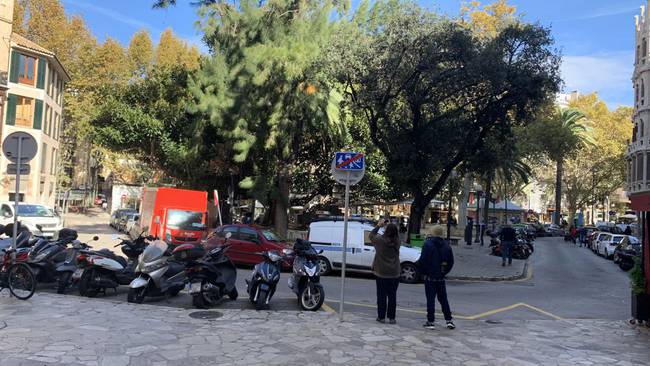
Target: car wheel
(409,273)
(324,266)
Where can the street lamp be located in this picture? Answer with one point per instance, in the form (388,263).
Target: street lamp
(450,179)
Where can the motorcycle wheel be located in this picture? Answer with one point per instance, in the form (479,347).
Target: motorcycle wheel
(198,301)
(232,295)
(85,286)
(64,282)
(21,281)
(313,302)
(136,295)
(260,304)
(625,266)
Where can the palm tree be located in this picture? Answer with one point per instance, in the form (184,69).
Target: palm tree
(568,133)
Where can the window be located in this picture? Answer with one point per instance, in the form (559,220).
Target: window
(27,70)
(53,162)
(641,129)
(634,168)
(639,167)
(44,158)
(24,111)
(184,220)
(642,91)
(249,235)
(48,111)
(644,50)
(221,232)
(638,51)
(636,93)
(50,84)
(12,197)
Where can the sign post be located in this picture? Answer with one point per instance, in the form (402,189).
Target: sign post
(20,148)
(348,168)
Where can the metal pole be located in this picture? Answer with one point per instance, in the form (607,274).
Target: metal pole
(345,243)
(17,194)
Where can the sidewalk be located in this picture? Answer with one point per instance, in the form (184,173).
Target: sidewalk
(54,329)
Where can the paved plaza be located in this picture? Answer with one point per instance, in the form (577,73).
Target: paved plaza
(51,329)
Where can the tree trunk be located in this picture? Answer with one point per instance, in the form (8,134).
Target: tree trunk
(488,198)
(558,192)
(462,205)
(416,215)
(281,213)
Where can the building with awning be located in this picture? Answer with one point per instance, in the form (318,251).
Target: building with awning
(498,212)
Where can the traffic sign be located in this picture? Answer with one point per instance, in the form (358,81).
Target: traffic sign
(13,169)
(28,147)
(351,161)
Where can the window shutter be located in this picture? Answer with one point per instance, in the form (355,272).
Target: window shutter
(38,114)
(40,78)
(15,64)
(11,109)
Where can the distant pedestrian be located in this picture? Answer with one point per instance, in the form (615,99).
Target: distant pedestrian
(386,268)
(628,230)
(508,236)
(468,231)
(436,261)
(582,235)
(403,230)
(572,234)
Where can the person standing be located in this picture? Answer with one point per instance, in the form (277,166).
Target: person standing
(628,230)
(508,236)
(572,234)
(436,261)
(386,268)
(468,231)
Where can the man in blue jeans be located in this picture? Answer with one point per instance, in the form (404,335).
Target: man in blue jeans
(436,260)
(508,236)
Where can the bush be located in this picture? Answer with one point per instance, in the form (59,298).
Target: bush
(637,278)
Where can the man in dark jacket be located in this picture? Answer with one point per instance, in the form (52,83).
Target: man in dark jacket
(436,260)
(508,236)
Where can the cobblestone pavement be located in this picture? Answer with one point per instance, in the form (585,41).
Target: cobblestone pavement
(53,329)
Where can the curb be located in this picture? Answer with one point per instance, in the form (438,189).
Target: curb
(524,274)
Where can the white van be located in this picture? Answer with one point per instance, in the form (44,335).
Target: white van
(328,237)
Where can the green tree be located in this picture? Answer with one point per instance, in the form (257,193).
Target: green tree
(561,135)
(432,92)
(263,89)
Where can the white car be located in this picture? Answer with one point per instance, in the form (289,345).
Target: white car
(328,237)
(607,247)
(33,216)
(599,236)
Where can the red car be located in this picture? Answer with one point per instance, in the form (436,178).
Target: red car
(246,242)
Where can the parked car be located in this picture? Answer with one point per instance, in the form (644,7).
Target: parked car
(607,247)
(628,252)
(34,216)
(554,230)
(247,242)
(127,222)
(328,237)
(599,236)
(117,216)
(629,243)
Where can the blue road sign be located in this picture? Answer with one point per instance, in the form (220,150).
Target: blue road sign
(350,161)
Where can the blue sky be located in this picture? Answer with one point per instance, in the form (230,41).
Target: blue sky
(596,37)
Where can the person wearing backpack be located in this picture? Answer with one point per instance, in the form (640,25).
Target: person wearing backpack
(436,261)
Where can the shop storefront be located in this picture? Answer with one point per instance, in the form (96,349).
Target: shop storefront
(641,204)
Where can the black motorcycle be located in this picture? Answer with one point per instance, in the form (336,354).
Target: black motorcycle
(46,257)
(264,279)
(211,275)
(305,281)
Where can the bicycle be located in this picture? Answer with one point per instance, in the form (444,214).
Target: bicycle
(17,276)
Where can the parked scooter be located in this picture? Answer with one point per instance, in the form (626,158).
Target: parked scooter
(103,269)
(305,281)
(157,274)
(46,256)
(264,279)
(211,275)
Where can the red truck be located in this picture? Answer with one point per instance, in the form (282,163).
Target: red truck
(177,216)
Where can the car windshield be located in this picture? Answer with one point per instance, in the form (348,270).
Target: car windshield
(34,211)
(617,239)
(271,236)
(185,220)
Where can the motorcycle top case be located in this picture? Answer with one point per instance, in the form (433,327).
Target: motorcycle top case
(188,252)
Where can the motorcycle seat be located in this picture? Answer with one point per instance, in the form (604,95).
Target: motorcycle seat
(108,254)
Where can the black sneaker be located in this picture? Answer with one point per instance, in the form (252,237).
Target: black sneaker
(382,321)
(451,325)
(429,325)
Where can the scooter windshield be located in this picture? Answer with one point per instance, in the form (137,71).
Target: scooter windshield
(154,251)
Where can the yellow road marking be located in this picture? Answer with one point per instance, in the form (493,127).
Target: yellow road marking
(328,308)
(471,317)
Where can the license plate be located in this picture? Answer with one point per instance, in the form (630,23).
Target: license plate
(195,287)
(78,273)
